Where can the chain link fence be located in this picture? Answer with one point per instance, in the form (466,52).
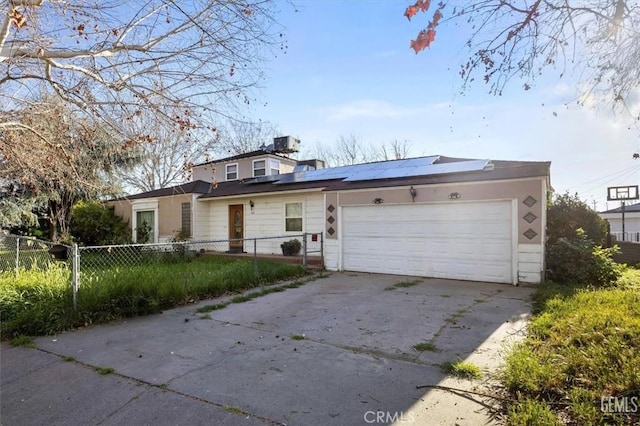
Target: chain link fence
(18,253)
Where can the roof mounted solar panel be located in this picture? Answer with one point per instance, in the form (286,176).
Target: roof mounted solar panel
(262,179)
(412,169)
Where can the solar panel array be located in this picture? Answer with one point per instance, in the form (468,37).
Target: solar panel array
(422,166)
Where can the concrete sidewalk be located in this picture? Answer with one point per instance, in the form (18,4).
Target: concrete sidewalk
(243,365)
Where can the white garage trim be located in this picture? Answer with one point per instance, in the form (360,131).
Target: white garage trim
(474,241)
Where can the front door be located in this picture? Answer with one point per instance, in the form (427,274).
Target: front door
(236,228)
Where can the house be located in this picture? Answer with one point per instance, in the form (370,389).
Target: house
(163,212)
(434,216)
(631,222)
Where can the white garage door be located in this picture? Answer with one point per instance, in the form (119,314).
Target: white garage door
(468,241)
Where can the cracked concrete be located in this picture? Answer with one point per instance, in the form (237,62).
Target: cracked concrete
(242,366)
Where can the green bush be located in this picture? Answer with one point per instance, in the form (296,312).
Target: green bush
(581,261)
(567,213)
(92,223)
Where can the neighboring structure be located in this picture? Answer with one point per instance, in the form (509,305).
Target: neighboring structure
(433,216)
(631,222)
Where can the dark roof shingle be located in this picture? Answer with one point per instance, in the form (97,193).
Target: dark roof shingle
(195,187)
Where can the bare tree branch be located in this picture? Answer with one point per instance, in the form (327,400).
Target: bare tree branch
(598,39)
(109,57)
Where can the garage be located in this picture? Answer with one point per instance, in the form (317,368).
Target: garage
(462,240)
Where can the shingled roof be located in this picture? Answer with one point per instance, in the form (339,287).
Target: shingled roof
(627,209)
(195,187)
(498,170)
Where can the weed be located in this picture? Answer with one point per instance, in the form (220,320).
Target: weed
(104,370)
(457,314)
(206,317)
(425,347)
(209,308)
(445,295)
(250,296)
(297,337)
(295,284)
(244,298)
(574,339)
(404,284)
(531,412)
(235,410)
(22,340)
(69,359)
(461,369)
(39,300)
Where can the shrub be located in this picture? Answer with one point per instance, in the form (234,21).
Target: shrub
(92,223)
(580,261)
(567,213)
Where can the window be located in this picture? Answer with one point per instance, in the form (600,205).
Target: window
(259,167)
(275,167)
(186,219)
(232,171)
(145,227)
(293,217)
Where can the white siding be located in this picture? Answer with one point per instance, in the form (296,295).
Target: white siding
(331,254)
(631,221)
(266,219)
(200,219)
(530,263)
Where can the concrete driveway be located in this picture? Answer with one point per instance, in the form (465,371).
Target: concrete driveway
(355,365)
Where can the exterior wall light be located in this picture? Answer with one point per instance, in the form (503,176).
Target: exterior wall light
(454,195)
(413,193)
(251,204)
(377,201)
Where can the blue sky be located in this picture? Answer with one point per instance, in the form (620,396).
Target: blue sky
(349,70)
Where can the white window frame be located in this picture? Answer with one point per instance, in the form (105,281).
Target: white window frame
(145,205)
(301,217)
(226,171)
(274,165)
(264,160)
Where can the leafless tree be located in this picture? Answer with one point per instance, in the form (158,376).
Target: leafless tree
(164,154)
(347,150)
(239,137)
(112,59)
(598,39)
(396,150)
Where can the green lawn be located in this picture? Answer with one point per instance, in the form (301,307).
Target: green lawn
(39,300)
(583,345)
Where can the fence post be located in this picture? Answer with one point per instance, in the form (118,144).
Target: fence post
(17,255)
(255,259)
(304,250)
(322,249)
(75,267)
